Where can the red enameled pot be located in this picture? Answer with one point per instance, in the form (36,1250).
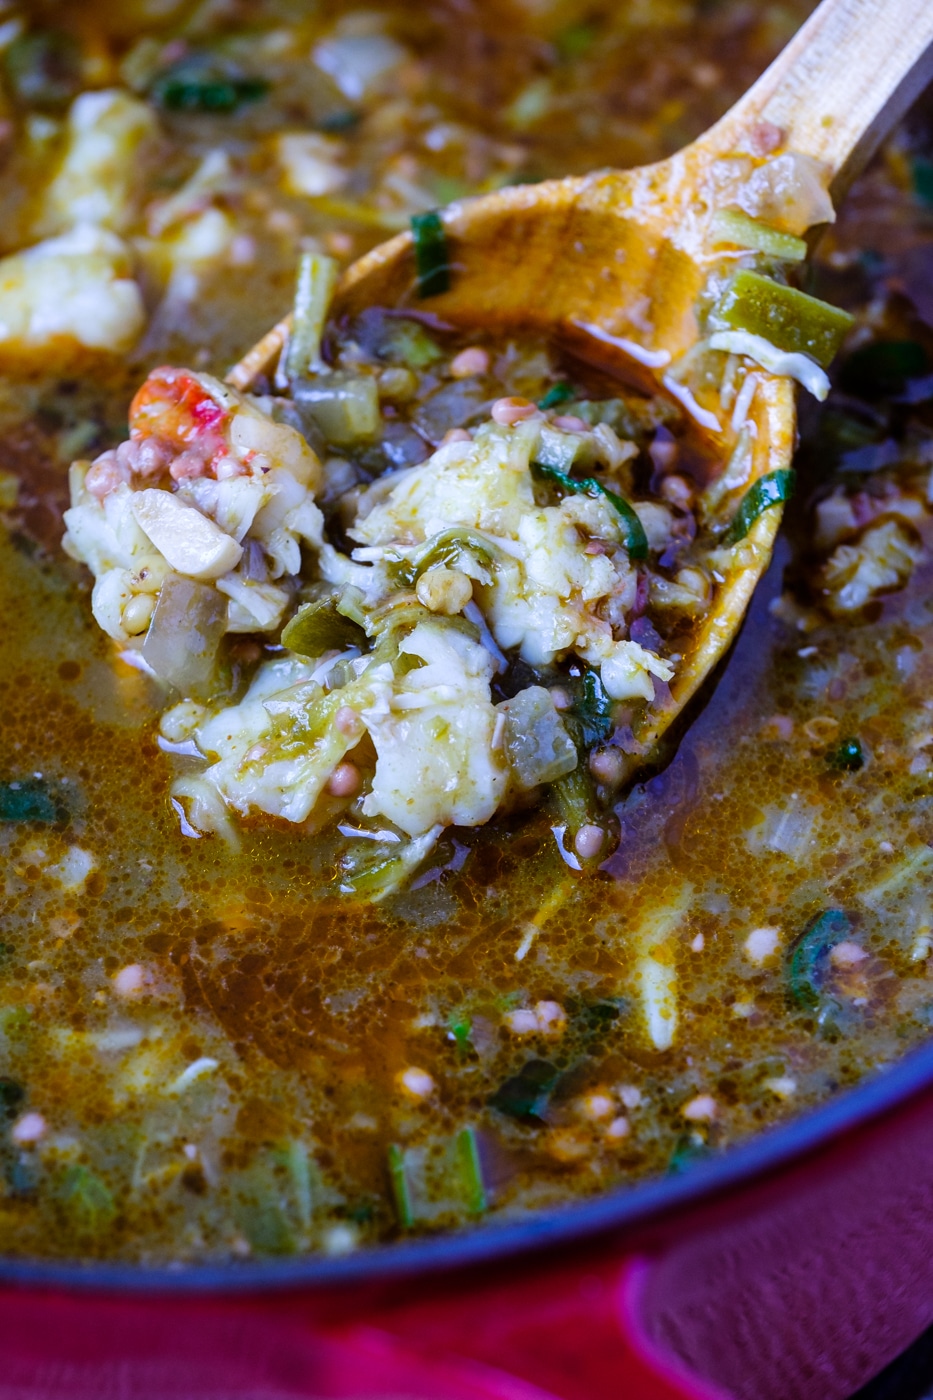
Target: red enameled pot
(793,1268)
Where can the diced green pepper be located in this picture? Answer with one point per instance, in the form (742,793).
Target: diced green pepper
(636,541)
(769,490)
(790,320)
(807,954)
(431,256)
(317,277)
(732,226)
(318,627)
(471,1171)
(401,1192)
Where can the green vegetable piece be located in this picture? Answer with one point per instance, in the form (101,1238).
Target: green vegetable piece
(12,1095)
(459,1028)
(298,1161)
(408,343)
(30,801)
(557,394)
(732,226)
(448,546)
(401,1191)
(593,708)
(43,69)
(806,955)
(343,406)
(689,1150)
(431,255)
(314,289)
(883,369)
(87,1201)
(636,541)
(318,627)
(574,799)
(576,40)
(770,490)
(537,743)
(266,1227)
(847,757)
(471,1171)
(202,83)
(526,1095)
(791,320)
(374,874)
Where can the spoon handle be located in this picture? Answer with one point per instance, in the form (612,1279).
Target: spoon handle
(843,81)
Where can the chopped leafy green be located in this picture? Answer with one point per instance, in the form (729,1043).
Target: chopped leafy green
(471,1171)
(807,954)
(557,394)
(86,1199)
(401,1192)
(689,1149)
(636,541)
(847,756)
(526,1095)
(12,1095)
(593,708)
(431,255)
(201,82)
(30,800)
(790,320)
(769,490)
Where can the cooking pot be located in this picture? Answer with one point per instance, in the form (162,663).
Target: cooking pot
(793,1268)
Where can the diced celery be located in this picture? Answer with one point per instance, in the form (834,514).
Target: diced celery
(732,226)
(431,255)
(317,277)
(401,1192)
(790,320)
(345,407)
(471,1171)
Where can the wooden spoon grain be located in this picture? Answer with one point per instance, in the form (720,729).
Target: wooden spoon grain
(621,256)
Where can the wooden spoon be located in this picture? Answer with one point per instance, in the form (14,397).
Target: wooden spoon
(622,256)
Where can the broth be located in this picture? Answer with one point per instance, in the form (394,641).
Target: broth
(208,1053)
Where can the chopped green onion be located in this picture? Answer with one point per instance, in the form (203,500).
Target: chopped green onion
(29,801)
(471,1171)
(401,1192)
(770,490)
(318,627)
(790,320)
(732,226)
(431,257)
(317,277)
(557,394)
(847,756)
(460,1028)
(808,952)
(636,541)
(526,1095)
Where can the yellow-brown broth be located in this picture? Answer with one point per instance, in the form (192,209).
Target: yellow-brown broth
(311,1005)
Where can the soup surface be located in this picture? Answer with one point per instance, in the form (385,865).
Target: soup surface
(216,1048)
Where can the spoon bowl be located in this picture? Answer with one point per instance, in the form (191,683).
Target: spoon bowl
(614,265)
